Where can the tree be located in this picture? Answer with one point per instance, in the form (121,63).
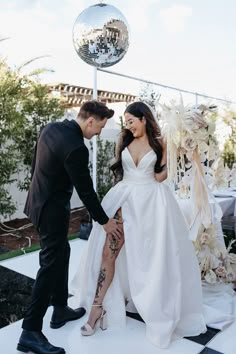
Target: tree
(105,154)
(11,120)
(25,107)
(229,155)
(38,109)
(149,95)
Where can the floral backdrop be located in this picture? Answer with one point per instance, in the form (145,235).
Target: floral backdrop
(196,168)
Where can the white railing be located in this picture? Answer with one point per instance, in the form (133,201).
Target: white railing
(196,94)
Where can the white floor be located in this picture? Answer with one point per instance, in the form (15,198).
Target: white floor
(121,341)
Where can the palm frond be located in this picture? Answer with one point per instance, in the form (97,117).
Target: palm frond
(40,71)
(31,61)
(4,39)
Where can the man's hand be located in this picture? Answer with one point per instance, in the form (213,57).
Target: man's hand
(114,227)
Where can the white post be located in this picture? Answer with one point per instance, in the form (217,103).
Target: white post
(95,137)
(196,99)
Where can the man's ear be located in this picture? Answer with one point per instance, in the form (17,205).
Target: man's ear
(90,121)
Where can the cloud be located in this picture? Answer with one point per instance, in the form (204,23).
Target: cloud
(173,19)
(136,13)
(36,30)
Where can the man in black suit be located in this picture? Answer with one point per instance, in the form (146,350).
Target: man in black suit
(61,162)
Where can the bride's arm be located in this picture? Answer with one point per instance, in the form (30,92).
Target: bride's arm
(161,176)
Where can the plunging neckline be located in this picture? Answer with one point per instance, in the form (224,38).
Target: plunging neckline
(140,159)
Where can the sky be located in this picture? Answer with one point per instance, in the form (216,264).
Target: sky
(188,44)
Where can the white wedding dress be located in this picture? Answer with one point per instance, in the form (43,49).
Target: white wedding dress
(157,270)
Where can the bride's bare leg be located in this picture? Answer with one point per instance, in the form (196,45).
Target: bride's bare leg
(111,250)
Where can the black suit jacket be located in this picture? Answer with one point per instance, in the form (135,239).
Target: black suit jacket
(61,162)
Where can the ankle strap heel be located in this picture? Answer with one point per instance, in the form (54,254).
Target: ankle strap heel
(103,321)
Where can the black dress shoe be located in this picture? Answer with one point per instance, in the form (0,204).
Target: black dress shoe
(36,342)
(63,314)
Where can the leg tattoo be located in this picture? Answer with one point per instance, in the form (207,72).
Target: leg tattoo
(114,245)
(101,280)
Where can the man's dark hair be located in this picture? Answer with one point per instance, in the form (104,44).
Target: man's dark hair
(96,109)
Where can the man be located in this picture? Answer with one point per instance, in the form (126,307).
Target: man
(61,161)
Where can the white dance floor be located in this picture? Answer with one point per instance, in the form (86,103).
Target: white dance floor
(112,341)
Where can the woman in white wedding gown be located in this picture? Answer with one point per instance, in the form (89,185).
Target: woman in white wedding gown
(156,269)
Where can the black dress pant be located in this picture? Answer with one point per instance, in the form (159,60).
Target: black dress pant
(51,284)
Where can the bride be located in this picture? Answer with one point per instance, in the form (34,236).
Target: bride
(152,266)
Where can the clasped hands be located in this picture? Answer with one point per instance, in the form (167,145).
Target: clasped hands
(114,227)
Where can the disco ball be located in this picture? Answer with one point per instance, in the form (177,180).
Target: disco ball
(101,35)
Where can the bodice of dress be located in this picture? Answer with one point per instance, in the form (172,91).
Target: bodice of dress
(143,173)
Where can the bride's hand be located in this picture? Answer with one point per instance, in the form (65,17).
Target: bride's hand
(114,227)
(162,175)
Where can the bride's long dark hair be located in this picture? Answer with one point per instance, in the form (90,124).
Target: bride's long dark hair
(139,110)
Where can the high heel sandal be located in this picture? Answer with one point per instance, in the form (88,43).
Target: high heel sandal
(101,322)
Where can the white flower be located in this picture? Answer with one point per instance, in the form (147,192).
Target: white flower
(211,127)
(205,238)
(232,258)
(184,190)
(210,277)
(203,147)
(201,135)
(188,143)
(194,120)
(220,271)
(230,276)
